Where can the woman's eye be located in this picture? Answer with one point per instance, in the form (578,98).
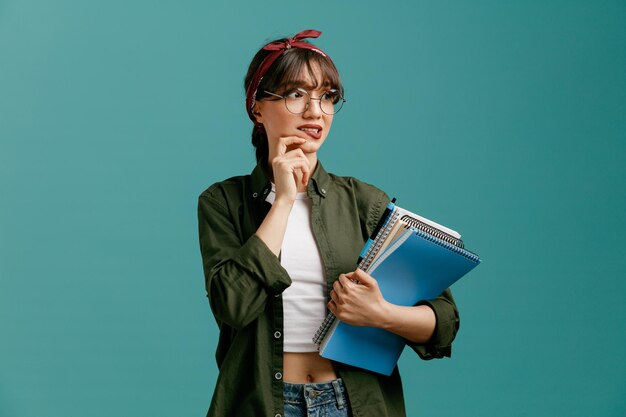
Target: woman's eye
(331,95)
(295,94)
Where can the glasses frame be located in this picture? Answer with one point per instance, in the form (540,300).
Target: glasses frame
(308,103)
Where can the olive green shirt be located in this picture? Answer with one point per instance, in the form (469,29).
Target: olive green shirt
(245,280)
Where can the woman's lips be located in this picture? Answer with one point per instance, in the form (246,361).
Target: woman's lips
(313,131)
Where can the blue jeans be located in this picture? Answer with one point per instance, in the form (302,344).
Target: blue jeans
(329,399)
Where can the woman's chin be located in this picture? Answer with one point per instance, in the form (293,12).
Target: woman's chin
(311,145)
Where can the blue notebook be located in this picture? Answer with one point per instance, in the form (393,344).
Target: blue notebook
(414,266)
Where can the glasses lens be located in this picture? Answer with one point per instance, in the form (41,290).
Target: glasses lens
(331,102)
(297,101)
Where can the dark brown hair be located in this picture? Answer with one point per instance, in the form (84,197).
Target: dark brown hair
(283,75)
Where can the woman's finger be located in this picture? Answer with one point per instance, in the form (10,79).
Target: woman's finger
(285,142)
(364,278)
(346,282)
(289,163)
(336,297)
(306,174)
(293,155)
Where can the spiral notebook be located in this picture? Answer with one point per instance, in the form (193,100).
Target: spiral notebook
(413,259)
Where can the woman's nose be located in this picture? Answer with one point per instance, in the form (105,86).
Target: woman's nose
(315,108)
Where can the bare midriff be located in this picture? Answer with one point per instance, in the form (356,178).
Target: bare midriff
(306,368)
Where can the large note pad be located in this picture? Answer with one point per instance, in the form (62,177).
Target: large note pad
(417,266)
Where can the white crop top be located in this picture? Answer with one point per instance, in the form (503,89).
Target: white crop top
(304,304)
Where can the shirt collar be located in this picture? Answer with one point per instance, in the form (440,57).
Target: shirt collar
(320,181)
(261,185)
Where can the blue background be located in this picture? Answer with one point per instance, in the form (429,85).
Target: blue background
(503,120)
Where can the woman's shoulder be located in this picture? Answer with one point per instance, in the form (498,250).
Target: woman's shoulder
(235,188)
(235,182)
(358,187)
(226,190)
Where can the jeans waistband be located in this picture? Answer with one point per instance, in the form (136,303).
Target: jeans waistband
(316,394)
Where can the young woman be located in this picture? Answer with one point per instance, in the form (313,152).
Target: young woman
(279,248)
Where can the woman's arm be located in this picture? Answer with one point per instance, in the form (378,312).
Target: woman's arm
(291,171)
(239,277)
(362,304)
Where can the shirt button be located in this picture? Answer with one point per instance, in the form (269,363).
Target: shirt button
(278,375)
(265,191)
(278,415)
(323,191)
(277,335)
(254,195)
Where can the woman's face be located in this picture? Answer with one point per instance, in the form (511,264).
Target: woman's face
(312,125)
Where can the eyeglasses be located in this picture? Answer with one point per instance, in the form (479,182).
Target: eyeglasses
(298,101)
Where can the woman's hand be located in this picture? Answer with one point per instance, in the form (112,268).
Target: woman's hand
(290,167)
(362,304)
(358,304)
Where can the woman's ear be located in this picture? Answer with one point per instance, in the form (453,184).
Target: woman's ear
(256,111)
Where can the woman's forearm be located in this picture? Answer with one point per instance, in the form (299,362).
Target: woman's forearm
(414,323)
(356,299)
(272,230)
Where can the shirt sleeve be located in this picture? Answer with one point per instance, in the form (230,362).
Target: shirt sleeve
(238,276)
(440,344)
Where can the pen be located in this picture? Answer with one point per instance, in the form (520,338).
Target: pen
(381,223)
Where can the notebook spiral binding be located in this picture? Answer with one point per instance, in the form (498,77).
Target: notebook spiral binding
(378,242)
(364,265)
(451,247)
(419,225)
